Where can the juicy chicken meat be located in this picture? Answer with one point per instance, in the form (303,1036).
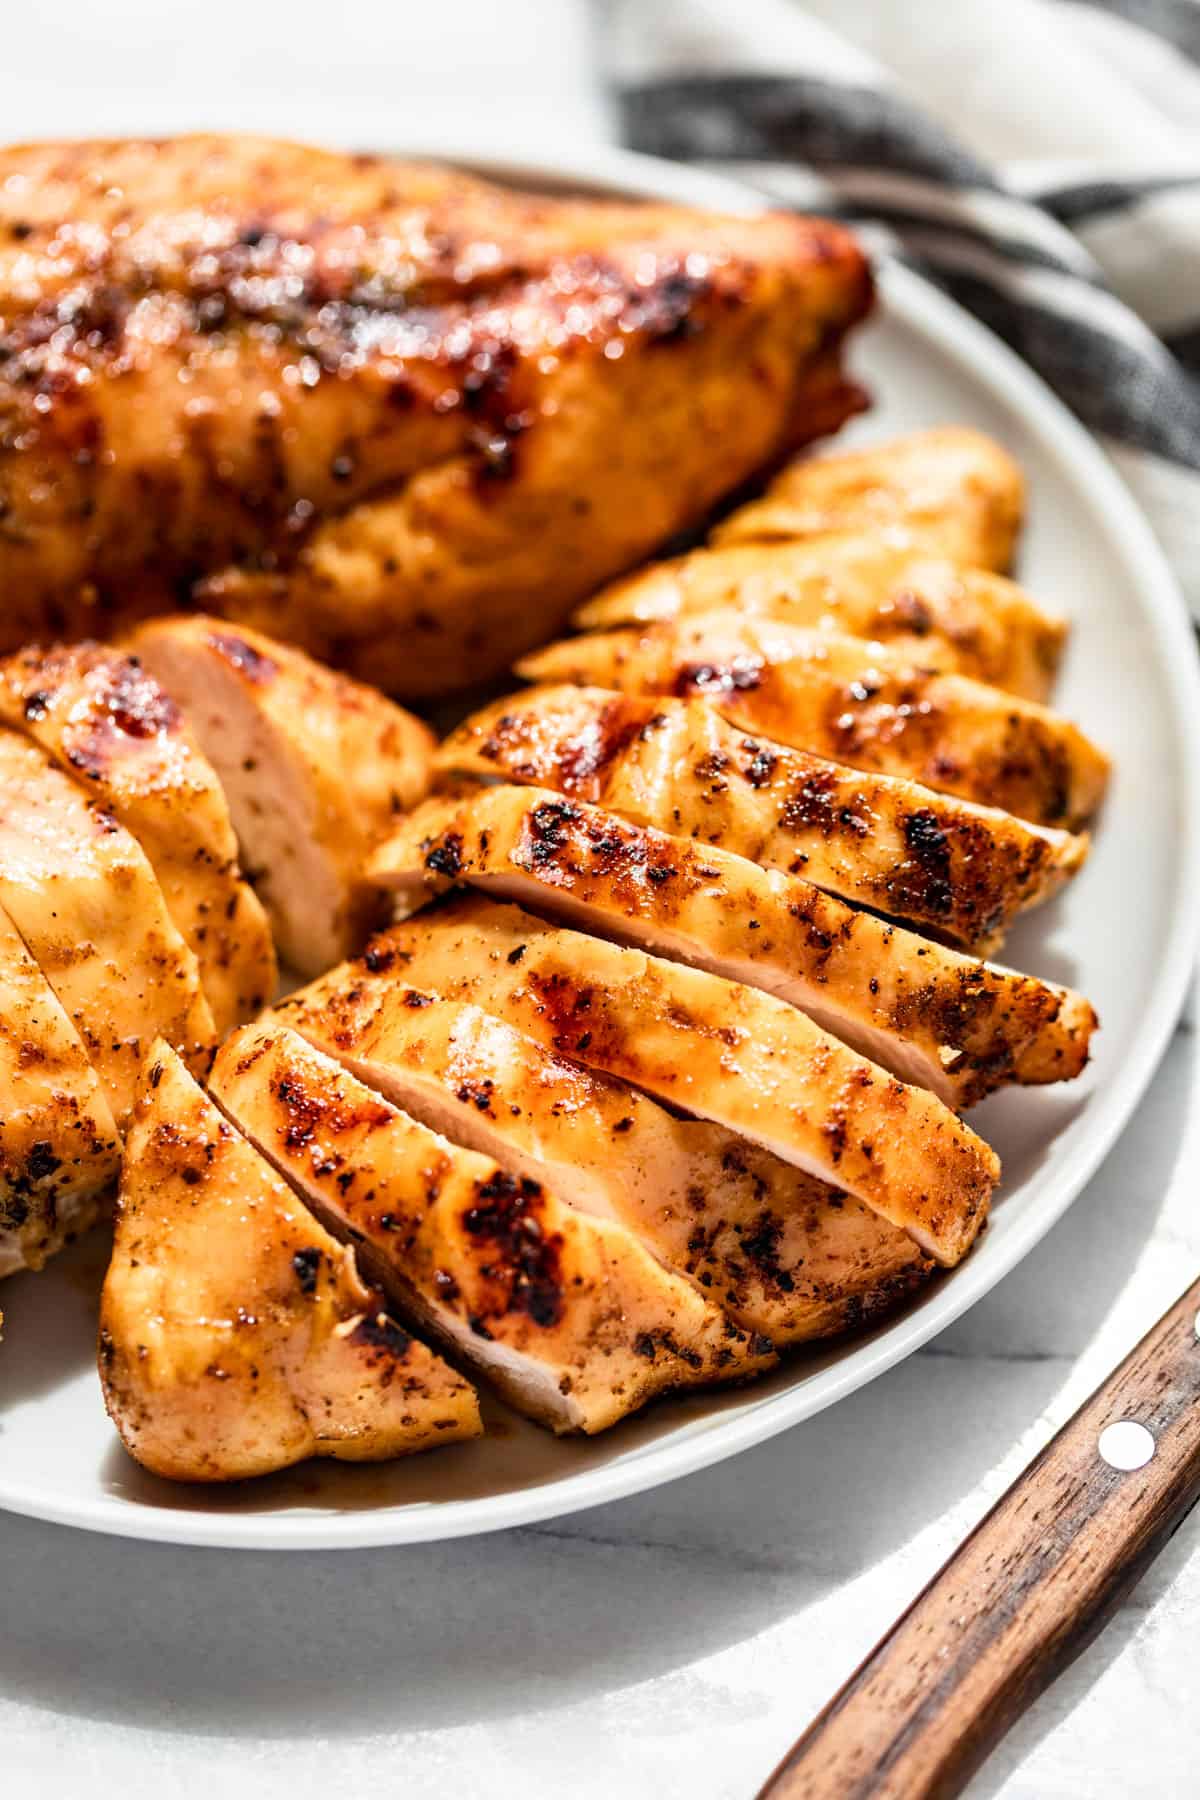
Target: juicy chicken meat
(389,412)
(959,870)
(931,1016)
(567,1315)
(712,1048)
(316,769)
(781,1253)
(888,589)
(236,1335)
(106,721)
(84,898)
(59,1151)
(856,702)
(954,488)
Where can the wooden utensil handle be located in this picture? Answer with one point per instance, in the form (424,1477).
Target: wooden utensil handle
(1023,1594)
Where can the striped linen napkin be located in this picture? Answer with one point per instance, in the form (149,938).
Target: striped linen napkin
(1039,160)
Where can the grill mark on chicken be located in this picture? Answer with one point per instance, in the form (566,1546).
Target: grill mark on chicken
(953,1024)
(860,703)
(943,863)
(545,1301)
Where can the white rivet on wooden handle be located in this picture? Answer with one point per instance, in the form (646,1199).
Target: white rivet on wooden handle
(1126,1445)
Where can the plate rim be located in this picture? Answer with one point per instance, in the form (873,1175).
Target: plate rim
(930,314)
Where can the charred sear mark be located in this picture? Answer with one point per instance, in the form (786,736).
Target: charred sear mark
(760,1244)
(446,856)
(738,675)
(506,1216)
(547,831)
(930,847)
(307,1264)
(376,1331)
(378,957)
(817,804)
(308,1112)
(243,657)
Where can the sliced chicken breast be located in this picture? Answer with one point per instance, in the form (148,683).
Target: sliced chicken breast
(715,1049)
(856,702)
(107,721)
(781,1253)
(236,1335)
(59,1150)
(84,898)
(948,866)
(887,588)
(568,1316)
(956,489)
(931,1016)
(316,769)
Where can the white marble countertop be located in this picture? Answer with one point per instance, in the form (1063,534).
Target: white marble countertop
(674,1644)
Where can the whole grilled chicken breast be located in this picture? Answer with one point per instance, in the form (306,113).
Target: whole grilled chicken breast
(857,702)
(781,1253)
(957,490)
(59,1150)
(316,769)
(106,721)
(713,1048)
(943,864)
(931,1016)
(884,587)
(568,1316)
(236,1335)
(389,412)
(85,900)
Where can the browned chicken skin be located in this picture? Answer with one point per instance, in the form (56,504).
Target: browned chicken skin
(932,1016)
(886,588)
(59,1151)
(781,1253)
(236,1335)
(569,1316)
(108,722)
(955,489)
(714,1048)
(857,702)
(941,863)
(80,891)
(389,412)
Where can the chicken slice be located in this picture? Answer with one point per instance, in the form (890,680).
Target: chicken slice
(781,1253)
(956,489)
(59,1150)
(83,897)
(959,870)
(714,1048)
(236,1335)
(567,1315)
(109,723)
(926,1013)
(856,702)
(887,588)
(316,769)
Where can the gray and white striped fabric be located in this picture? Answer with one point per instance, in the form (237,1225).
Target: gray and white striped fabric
(1039,160)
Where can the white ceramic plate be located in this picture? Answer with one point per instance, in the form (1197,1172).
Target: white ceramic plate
(1125,933)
